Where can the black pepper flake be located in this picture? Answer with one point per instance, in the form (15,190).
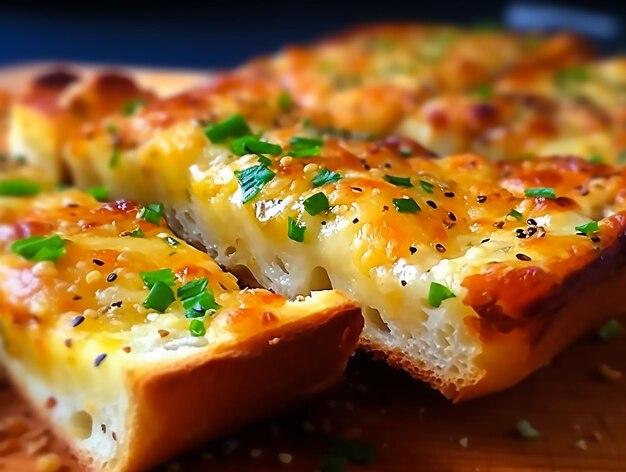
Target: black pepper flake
(68,343)
(531,222)
(77,297)
(111,277)
(403,283)
(98,262)
(412,249)
(452,216)
(523,257)
(449,194)
(440,247)
(499,224)
(355,221)
(481,199)
(366,167)
(117,304)
(385,208)
(387,165)
(77,320)
(595,239)
(323,223)
(431,204)
(485,240)
(99,359)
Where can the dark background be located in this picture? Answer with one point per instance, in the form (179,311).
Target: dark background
(213,35)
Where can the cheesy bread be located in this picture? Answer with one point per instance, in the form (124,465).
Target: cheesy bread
(137,346)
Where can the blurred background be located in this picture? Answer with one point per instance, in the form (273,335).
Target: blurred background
(213,35)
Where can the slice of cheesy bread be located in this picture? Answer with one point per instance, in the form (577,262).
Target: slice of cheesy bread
(367,78)
(471,274)
(137,346)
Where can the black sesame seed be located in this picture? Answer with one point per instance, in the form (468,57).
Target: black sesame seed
(412,249)
(452,216)
(77,297)
(403,283)
(449,194)
(111,277)
(580,233)
(98,262)
(323,223)
(357,189)
(595,239)
(72,205)
(499,224)
(523,257)
(485,240)
(440,247)
(77,320)
(355,221)
(385,208)
(99,359)
(366,167)
(481,199)
(519,230)
(117,304)
(532,231)
(531,222)
(431,204)
(521,235)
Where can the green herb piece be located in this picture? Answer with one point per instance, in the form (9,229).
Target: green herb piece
(19,188)
(253,145)
(310,152)
(406,205)
(515,214)
(609,330)
(621,157)
(40,248)
(252,180)
(399,181)
(99,193)
(325,176)
(302,142)
(285,101)
(152,213)
(484,91)
(165,276)
(115,158)
(170,240)
(526,431)
(316,204)
(295,230)
(197,305)
(160,297)
(426,186)
(132,106)
(233,127)
(330,463)
(265,161)
(544,192)
(197,328)
(567,78)
(437,293)
(356,452)
(588,228)
(137,233)
(193,288)
(596,159)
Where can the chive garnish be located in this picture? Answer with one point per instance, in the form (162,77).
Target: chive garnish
(152,213)
(596,159)
(99,193)
(165,276)
(285,101)
(19,188)
(588,228)
(484,91)
(265,161)
(545,192)
(437,293)
(193,288)
(233,127)
(399,181)
(309,152)
(115,158)
(40,248)
(303,142)
(316,204)
(197,328)
(526,430)
(295,230)
(137,233)
(406,205)
(325,176)
(160,297)
(427,186)
(253,145)
(515,214)
(132,106)
(252,180)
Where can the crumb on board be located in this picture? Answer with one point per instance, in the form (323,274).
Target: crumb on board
(581,444)
(607,373)
(464,442)
(285,458)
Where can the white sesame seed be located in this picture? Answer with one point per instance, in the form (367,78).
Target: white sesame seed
(286,160)
(285,458)
(44,268)
(310,167)
(93,276)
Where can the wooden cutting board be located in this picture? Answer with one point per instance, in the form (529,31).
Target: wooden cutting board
(580,414)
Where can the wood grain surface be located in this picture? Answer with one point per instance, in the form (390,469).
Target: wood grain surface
(581,416)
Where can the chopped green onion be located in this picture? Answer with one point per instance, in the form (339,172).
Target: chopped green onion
(515,214)
(295,230)
(197,305)
(193,288)
(252,180)
(303,142)
(265,161)
(588,228)
(233,127)
(152,213)
(115,158)
(309,152)
(399,181)
(132,106)
(356,452)
(621,157)
(567,78)
(484,91)
(160,297)
(316,204)
(406,205)
(19,188)
(40,248)
(137,233)
(437,293)
(609,330)
(526,431)
(545,192)
(99,193)
(427,186)
(285,101)
(165,276)
(197,328)
(253,145)
(330,463)
(596,159)
(325,176)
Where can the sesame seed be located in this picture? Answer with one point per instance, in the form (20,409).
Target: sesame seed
(163,333)
(99,359)
(323,223)
(92,276)
(77,320)
(440,247)
(499,224)
(431,204)
(385,208)
(449,194)
(355,221)
(77,297)
(595,239)
(523,257)
(481,199)
(126,349)
(357,189)
(111,277)
(532,231)
(68,343)
(117,304)
(98,262)
(72,205)
(521,235)
(452,216)
(485,240)
(531,222)
(412,249)
(403,283)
